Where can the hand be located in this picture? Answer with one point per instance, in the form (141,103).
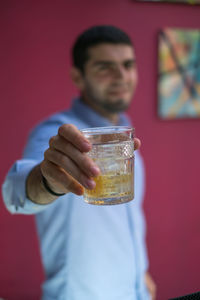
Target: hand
(66,165)
(151,286)
(137,144)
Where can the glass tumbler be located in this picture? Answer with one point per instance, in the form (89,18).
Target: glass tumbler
(113,152)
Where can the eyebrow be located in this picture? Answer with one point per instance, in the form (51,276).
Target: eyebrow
(108,63)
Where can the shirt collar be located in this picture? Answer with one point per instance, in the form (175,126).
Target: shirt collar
(92,118)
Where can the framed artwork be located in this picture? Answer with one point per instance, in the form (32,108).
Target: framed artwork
(179,73)
(193,2)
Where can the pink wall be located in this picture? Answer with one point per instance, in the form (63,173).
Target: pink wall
(35,40)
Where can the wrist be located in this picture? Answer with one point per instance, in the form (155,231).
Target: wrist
(35,190)
(49,189)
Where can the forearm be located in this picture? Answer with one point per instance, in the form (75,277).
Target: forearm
(35,189)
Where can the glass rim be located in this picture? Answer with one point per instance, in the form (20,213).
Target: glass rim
(107,130)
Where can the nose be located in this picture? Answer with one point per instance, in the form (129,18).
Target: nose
(119,72)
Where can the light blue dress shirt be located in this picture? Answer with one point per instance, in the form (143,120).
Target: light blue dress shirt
(88,252)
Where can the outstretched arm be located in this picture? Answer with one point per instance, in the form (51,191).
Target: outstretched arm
(66,168)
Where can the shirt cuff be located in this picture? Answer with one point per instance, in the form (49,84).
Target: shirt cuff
(14,189)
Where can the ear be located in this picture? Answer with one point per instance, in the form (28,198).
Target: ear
(77,78)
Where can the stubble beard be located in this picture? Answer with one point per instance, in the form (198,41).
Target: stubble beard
(114,107)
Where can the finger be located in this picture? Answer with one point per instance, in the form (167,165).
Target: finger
(151,286)
(137,143)
(75,137)
(82,160)
(59,179)
(69,166)
(153,290)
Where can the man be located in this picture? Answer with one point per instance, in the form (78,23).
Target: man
(89,252)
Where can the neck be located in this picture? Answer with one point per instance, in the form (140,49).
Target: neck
(112,117)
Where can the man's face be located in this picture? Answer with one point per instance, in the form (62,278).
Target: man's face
(110,77)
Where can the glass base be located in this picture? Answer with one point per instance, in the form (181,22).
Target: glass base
(109,201)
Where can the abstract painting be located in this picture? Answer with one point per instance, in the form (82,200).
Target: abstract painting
(193,2)
(179,73)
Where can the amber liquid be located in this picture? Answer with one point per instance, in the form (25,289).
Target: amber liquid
(111,188)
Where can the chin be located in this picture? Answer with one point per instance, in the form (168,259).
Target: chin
(118,106)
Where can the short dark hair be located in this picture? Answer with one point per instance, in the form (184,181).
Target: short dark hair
(93,36)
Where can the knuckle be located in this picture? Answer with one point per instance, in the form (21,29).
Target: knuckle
(46,169)
(65,128)
(60,130)
(62,160)
(46,154)
(52,141)
(43,167)
(70,126)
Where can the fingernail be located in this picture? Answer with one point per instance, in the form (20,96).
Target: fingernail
(80,191)
(95,170)
(86,145)
(90,184)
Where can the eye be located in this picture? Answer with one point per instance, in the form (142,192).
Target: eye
(103,67)
(129,64)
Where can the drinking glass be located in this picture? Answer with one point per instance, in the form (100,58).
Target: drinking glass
(113,152)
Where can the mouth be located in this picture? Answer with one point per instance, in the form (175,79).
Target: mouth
(119,89)
(118,92)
